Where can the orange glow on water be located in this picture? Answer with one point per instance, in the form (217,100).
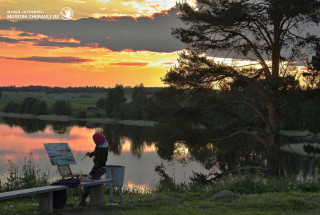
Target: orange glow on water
(141,188)
(181,151)
(126,147)
(151,148)
(17,144)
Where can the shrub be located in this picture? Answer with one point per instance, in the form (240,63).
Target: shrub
(62,108)
(30,176)
(28,105)
(242,183)
(167,183)
(82,115)
(11,107)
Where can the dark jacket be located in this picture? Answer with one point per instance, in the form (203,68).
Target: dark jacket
(100,159)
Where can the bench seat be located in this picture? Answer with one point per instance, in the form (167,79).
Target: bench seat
(46,193)
(31,191)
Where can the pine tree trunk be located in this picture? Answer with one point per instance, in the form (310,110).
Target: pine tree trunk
(273,164)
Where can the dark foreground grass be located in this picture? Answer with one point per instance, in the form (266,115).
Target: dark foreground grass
(178,203)
(255,194)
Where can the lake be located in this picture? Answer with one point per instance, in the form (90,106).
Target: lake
(20,137)
(138,149)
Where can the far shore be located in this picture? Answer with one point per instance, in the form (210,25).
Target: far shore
(68,118)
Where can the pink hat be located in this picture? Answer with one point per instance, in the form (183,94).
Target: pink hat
(98,138)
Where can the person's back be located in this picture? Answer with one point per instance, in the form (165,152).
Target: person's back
(100,157)
(100,160)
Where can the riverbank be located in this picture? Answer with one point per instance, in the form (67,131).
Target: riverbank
(68,118)
(243,194)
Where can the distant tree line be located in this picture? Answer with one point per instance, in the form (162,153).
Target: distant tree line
(31,88)
(35,106)
(86,89)
(185,108)
(114,105)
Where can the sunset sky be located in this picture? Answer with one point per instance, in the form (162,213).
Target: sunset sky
(106,42)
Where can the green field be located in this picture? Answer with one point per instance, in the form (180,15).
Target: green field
(78,101)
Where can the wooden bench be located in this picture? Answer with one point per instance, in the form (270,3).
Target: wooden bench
(46,193)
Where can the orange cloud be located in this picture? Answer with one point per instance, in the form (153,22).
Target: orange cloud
(129,64)
(25,63)
(168,63)
(67,59)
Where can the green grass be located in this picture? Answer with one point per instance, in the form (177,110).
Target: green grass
(78,101)
(255,194)
(176,203)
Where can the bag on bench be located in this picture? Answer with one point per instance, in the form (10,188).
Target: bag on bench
(72,182)
(60,197)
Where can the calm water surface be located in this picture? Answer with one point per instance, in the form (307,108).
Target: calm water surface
(134,148)
(18,141)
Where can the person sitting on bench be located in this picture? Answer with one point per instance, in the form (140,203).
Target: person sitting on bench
(100,157)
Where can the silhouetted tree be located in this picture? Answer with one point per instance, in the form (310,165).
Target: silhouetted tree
(115,101)
(82,115)
(26,105)
(164,105)
(136,108)
(10,107)
(101,103)
(62,108)
(39,107)
(261,30)
(313,76)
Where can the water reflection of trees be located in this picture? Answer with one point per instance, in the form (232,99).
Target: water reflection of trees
(27,125)
(116,135)
(221,156)
(303,167)
(113,135)
(36,125)
(61,127)
(172,140)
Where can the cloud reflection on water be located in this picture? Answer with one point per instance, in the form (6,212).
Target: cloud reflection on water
(16,145)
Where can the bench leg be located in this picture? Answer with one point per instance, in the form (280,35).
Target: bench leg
(96,195)
(120,192)
(46,202)
(111,193)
